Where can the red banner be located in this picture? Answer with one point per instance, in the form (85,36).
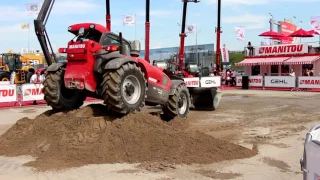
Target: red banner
(287,29)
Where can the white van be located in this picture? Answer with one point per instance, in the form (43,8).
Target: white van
(310,162)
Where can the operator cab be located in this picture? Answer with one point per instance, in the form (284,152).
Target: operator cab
(12,60)
(99,34)
(130,48)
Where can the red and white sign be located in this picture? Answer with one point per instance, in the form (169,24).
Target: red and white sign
(280,81)
(8,93)
(225,54)
(287,29)
(256,81)
(192,82)
(309,82)
(31,92)
(214,81)
(282,49)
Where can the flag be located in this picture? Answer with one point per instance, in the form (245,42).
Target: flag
(315,23)
(241,34)
(25,26)
(191,28)
(33,9)
(129,20)
(225,54)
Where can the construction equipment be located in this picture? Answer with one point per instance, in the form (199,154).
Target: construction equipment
(203,88)
(13,67)
(104,65)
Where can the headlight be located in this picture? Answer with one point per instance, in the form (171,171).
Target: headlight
(69,28)
(92,26)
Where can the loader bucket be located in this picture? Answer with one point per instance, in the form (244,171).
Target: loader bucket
(205,98)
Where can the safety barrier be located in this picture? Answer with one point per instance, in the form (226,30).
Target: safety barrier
(304,82)
(20,93)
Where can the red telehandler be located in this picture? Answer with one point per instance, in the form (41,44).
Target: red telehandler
(204,89)
(104,65)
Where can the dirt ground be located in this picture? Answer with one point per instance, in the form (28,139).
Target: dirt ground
(276,121)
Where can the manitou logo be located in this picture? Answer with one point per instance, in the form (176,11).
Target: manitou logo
(77,46)
(192,83)
(33,92)
(310,82)
(6,92)
(281,49)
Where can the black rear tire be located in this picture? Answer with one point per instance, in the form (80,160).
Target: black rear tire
(178,104)
(4,76)
(58,96)
(119,85)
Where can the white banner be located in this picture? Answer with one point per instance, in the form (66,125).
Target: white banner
(214,81)
(129,20)
(32,92)
(192,82)
(8,93)
(254,81)
(33,9)
(241,33)
(280,81)
(225,54)
(309,82)
(191,28)
(315,23)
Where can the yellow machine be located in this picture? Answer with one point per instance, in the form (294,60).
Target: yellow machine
(12,63)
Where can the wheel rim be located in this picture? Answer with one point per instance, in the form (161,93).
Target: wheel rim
(5,79)
(182,103)
(131,89)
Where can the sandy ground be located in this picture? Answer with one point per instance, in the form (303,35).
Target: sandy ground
(276,121)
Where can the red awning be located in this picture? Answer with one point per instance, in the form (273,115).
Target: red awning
(249,62)
(272,60)
(302,60)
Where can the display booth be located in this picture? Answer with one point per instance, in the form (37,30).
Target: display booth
(277,60)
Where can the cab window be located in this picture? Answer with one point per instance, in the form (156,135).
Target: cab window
(110,39)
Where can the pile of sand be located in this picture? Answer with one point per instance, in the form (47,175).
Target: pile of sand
(91,136)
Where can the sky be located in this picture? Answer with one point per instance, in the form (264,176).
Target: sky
(165,19)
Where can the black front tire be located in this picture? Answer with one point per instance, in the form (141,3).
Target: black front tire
(173,108)
(58,96)
(113,90)
(4,77)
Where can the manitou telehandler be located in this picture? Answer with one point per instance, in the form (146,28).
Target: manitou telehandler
(203,88)
(104,65)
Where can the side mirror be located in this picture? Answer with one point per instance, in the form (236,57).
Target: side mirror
(135,48)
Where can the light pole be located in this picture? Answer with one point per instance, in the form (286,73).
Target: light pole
(197,44)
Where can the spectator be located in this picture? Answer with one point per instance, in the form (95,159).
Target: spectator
(233,77)
(36,78)
(250,47)
(292,74)
(311,73)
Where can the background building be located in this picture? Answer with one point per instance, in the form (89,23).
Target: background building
(204,55)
